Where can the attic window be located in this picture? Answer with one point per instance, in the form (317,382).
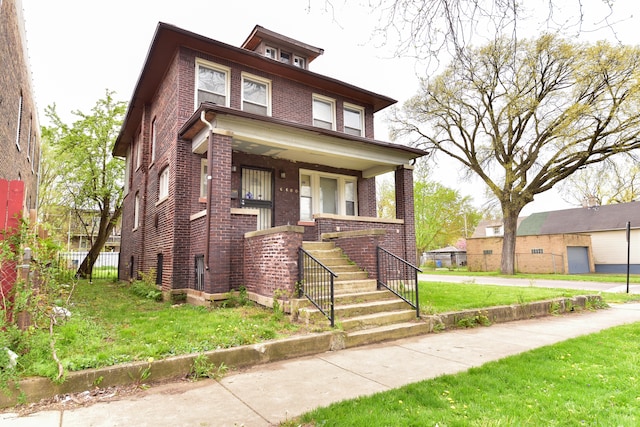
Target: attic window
(285,57)
(299,61)
(270,52)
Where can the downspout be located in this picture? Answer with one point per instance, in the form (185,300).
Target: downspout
(209,169)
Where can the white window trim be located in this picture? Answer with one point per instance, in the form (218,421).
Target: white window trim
(257,79)
(203,178)
(359,109)
(153,140)
(315,191)
(221,68)
(276,52)
(136,211)
(299,61)
(328,100)
(138,143)
(163,185)
(20,106)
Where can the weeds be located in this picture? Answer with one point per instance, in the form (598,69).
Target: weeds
(146,287)
(203,368)
(473,321)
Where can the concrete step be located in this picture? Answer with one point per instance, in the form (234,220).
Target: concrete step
(354,286)
(345,312)
(376,319)
(310,246)
(387,333)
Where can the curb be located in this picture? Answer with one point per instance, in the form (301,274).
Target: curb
(34,389)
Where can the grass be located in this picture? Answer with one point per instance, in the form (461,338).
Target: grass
(603,278)
(110,324)
(440,297)
(113,323)
(591,380)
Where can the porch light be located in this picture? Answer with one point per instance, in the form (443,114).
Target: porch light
(283,174)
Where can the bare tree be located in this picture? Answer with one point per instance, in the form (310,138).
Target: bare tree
(614,181)
(525,115)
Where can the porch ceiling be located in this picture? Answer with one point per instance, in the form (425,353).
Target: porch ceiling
(298,143)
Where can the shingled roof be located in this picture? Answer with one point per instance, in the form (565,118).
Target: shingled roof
(582,220)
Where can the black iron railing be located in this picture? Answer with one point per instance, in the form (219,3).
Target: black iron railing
(315,281)
(399,277)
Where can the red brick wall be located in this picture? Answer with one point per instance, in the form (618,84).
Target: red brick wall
(274,260)
(290,100)
(362,251)
(15,79)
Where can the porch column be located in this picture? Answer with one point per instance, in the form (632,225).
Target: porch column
(405,210)
(220,220)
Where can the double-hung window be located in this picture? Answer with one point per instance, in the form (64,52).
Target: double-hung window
(324,112)
(256,95)
(327,193)
(212,83)
(163,184)
(353,120)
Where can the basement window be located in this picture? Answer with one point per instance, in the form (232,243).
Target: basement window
(537,251)
(487,252)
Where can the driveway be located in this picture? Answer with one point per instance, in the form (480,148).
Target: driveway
(540,283)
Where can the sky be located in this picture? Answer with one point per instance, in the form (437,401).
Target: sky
(80,48)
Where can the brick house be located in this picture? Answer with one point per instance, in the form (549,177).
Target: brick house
(19,128)
(236,155)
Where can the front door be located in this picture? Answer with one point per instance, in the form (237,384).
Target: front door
(257,193)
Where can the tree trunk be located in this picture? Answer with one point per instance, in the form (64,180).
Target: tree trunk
(510,223)
(105,228)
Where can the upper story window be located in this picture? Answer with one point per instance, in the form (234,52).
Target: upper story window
(212,83)
(324,112)
(299,61)
(285,57)
(271,52)
(153,140)
(256,95)
(353,120)
(19,122)
(138,144)
(163,184)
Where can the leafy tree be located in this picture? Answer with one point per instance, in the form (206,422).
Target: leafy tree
(525,115)
(90,178)
(385,198)
(442,215)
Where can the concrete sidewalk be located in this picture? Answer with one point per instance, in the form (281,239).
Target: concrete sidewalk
(266,395)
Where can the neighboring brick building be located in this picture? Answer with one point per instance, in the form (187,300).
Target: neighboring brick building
(579,240)
(289,154)
(19,128)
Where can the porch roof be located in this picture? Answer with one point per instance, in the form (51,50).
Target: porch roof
(267,136)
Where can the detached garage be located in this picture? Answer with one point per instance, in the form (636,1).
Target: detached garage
(598,242)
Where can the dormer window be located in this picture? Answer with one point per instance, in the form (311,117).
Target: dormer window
(271,52)
(285,57)
(299,61)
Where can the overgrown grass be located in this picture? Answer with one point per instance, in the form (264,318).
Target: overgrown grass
(591,380)
(110,324)
(116,322)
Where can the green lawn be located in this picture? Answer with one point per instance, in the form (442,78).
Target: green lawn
(604,278)
(111,324)
(587,381)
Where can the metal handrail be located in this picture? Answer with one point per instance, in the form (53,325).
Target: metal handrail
(315,281)
(398,276)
